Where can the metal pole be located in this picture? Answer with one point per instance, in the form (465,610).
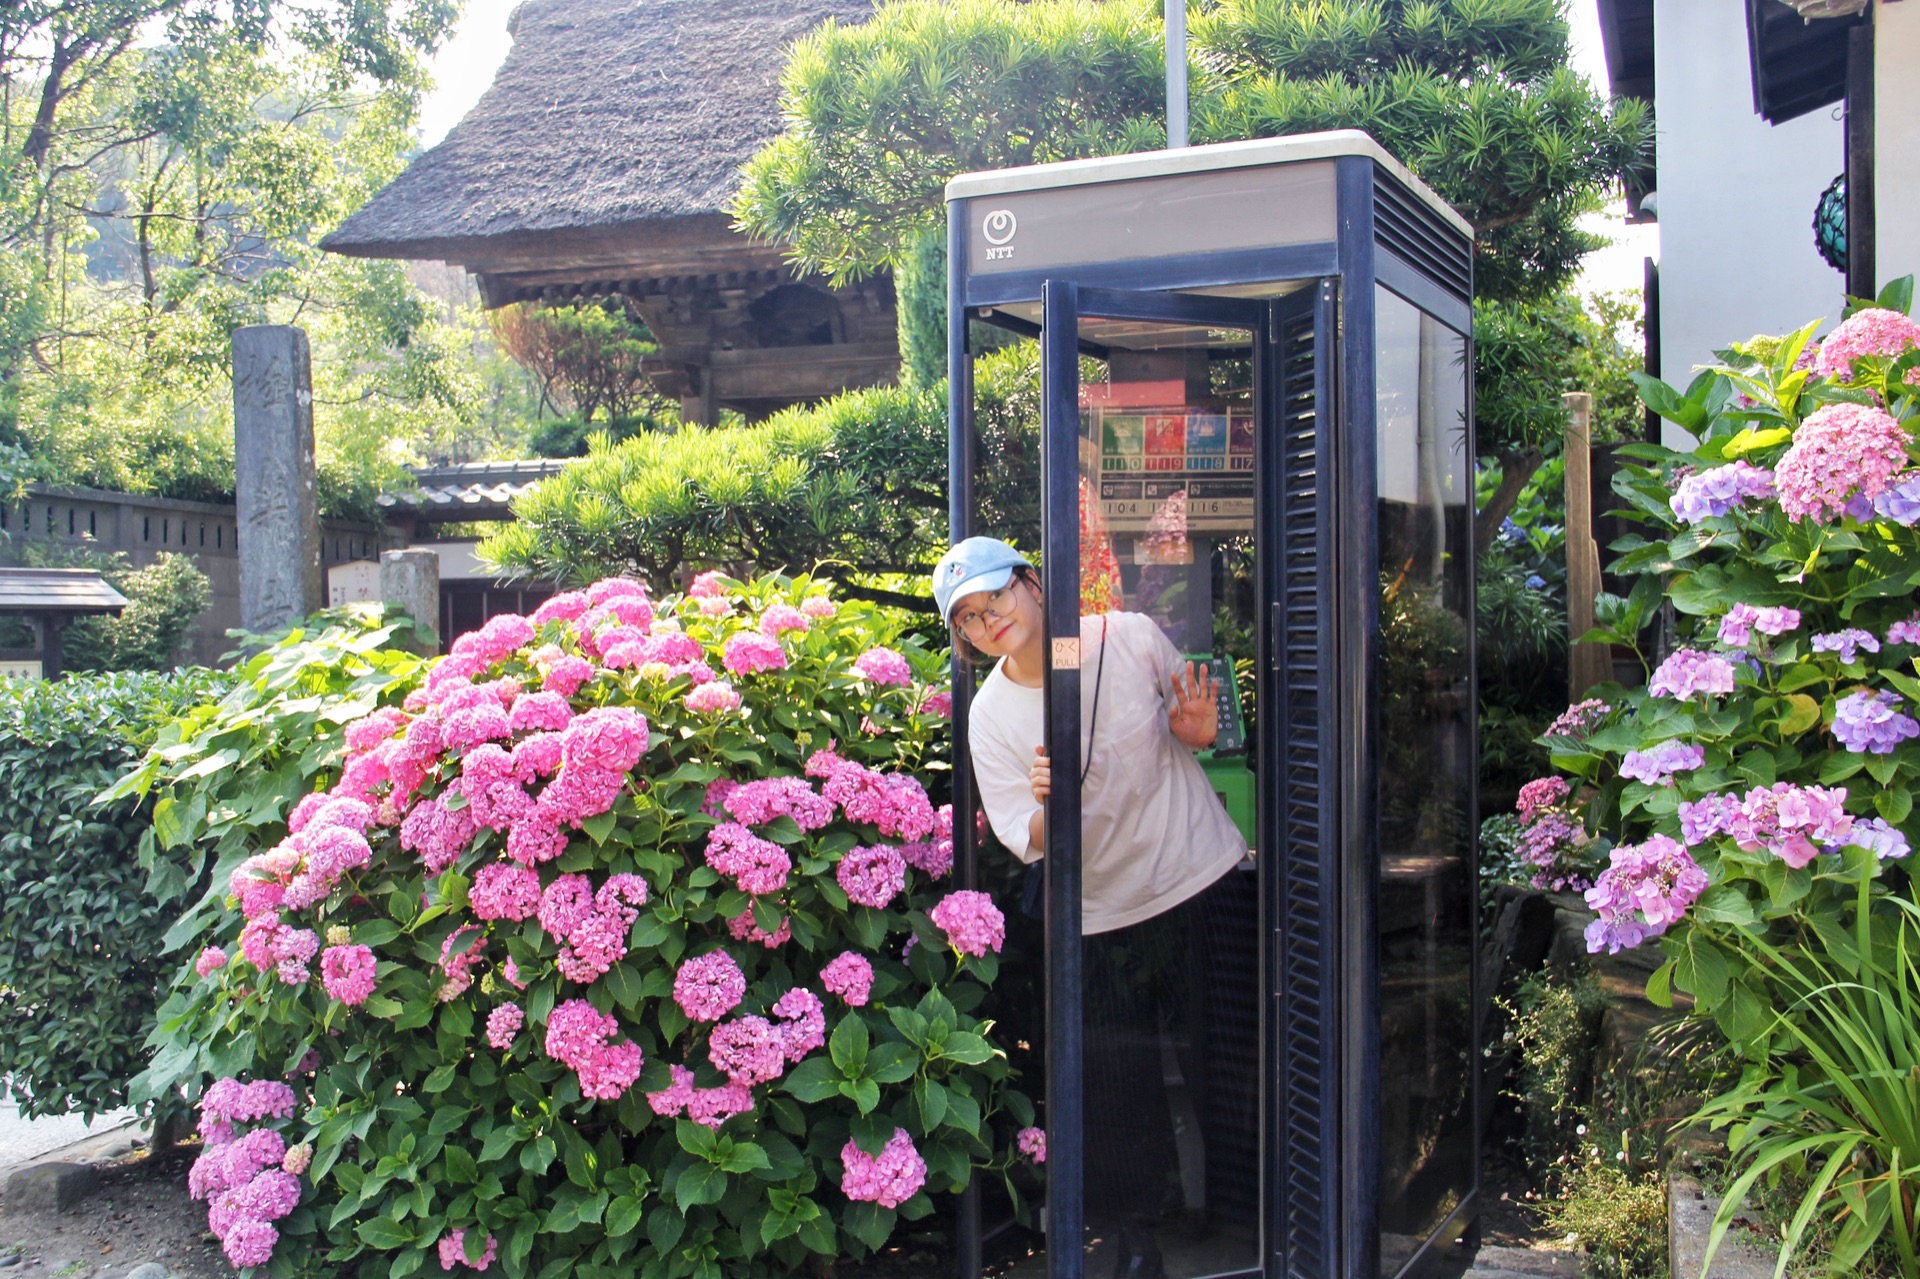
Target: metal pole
(1176,21)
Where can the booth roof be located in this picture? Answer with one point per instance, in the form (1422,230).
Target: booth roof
(1206,159)
(605,114)
(57,590)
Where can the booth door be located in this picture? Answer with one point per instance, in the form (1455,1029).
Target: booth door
(1152,438)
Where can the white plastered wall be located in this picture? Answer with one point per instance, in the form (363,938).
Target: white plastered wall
(1737,194)
(1896,138)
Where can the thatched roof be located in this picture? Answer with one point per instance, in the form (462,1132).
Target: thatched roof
(607,115)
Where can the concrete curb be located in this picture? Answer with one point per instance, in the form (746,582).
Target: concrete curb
(96,1147)
(1690,1212)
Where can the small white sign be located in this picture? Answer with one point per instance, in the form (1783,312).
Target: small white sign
(1066,654)
(353,582)
(21,670)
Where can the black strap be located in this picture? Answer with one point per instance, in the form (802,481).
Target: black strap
(1099,678)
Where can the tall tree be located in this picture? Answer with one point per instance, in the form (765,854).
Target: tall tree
(1473,95)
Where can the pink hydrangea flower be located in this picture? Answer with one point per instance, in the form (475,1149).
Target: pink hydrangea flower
(744,927)
(503,1023)
(607,739)
(1841,451)
(577,1035)
(710,986)
(1689,672)
(1871,331)
(564,607)
(543,710)
(437,833)
(758,865)
(238,1103)
(369,731)
(714,698)
(211,961)
(297,1159)
(972,923)
(897,805)
(758,802)
(1032,1142)
(818,606)
(884,666)
(803,1022)
(504,891)
(750,651)
(889,1180)
(1644,890)
(453,1252)
(872,876)
(849,976)
(747,1050)
(708,585)
(783,617)
(348,973)
(1742,620)
(1541,793)
(1794,823)
(714,1106)
(1906,632)
(939,705)
(566,674)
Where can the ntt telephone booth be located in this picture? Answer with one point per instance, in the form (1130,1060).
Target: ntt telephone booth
(1252,370)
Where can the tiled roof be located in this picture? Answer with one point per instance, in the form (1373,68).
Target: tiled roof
(57,590)
(471,490)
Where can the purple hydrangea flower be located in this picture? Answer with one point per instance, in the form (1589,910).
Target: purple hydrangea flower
(1707,494)
(1657,763)
(1907,632)
(1847,643)
(1688,672)
(1705,818)
(1871,721)
(1901,503)
(1880,839)
(1580,718)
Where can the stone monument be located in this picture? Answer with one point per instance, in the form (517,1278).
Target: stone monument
(277,506)
(410,582)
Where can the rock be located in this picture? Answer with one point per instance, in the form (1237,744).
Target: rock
(1690,1221)
(51,1187)
(10,1259)
(148,1270)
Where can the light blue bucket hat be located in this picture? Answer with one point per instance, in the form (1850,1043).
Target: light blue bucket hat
(977,564)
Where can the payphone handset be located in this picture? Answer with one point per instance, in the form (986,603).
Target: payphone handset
(1233,731)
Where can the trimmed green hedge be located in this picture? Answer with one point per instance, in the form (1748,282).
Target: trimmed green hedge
(80,961)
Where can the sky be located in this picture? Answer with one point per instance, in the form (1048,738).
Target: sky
(466,65)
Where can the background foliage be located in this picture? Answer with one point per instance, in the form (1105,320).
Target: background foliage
(81,969)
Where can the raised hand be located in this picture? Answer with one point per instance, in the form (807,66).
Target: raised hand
(1194,717)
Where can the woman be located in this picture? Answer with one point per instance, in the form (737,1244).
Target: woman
(1160,906)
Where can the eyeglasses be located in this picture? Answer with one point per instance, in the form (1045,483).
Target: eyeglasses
(1000,603)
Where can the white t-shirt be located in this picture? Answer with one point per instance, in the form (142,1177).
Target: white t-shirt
(1153,831)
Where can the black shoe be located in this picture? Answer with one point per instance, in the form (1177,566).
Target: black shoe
(1139,1255)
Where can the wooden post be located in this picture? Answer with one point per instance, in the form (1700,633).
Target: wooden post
(1587,664)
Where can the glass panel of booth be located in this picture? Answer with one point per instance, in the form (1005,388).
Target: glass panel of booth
(1171,950)
(1426,887)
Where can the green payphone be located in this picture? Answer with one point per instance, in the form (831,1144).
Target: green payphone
(1226,765)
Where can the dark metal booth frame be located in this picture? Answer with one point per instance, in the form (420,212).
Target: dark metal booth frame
(1290,240)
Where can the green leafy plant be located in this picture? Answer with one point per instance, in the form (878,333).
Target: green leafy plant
(81,968)
(154,631)
(587,957)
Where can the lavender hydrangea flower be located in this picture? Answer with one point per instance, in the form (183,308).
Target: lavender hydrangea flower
(1646,888)
(1705,818)
(1900,503)
(1658,763)
(1690,671)
(1880,839)
(1907,632)
(1707,494)
(1579,719)
(1871,721)
(1847,643)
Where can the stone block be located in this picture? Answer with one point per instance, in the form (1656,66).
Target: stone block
(410,582)
(1689,1224)
(50,1187)
(276,500)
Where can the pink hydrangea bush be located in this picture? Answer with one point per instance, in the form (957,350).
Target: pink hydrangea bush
(580,934)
